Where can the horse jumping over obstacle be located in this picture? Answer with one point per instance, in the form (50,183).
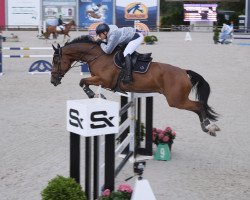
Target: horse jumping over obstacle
(52,30)
(173,82)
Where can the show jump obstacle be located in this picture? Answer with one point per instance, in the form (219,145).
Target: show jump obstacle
(39,66)
(99,119)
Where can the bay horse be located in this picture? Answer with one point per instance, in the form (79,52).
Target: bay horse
(52,30)
(173,82)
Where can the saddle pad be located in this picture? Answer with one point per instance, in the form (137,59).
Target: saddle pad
(60,28)
(138,67)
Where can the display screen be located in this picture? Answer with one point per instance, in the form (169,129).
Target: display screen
(200,12)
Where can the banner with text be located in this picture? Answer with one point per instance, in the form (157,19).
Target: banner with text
(52,9)
(23,12)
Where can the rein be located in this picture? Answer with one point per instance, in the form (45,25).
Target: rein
(91,59)
(59,54)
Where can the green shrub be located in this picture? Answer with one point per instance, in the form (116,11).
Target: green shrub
(61,188)
(154,38)
(150,39)
(216,35)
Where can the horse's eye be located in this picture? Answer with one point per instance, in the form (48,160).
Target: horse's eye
(55,59)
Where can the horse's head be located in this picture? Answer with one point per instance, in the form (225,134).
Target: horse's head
(79,49)
(60,66)
(72,23)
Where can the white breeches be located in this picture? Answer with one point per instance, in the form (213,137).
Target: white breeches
(133,45)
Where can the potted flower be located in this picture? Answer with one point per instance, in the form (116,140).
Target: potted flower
(123,192)
(165,136)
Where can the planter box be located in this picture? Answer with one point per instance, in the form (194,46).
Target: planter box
(162,152)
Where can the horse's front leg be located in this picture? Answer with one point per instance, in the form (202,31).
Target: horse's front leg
(86,82)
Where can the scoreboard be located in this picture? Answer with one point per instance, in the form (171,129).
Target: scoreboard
(200,12)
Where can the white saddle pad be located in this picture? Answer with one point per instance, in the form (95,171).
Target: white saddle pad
(60,28)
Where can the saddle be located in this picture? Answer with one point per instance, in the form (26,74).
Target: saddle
(140,62)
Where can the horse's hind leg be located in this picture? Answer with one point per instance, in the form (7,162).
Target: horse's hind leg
(199,109)
(180,100)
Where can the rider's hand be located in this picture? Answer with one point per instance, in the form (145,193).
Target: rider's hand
(99,42)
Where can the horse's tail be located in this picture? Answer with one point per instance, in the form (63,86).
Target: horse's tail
(202,93)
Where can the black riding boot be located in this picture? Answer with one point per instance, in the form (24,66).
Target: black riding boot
(128,70)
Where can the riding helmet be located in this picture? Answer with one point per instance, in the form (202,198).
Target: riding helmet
(101,28)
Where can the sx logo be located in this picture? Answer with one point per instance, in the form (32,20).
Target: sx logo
(74,118)
(99,119)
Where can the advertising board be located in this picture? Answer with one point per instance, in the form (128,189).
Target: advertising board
(23,12)
(200,12)
(145,11)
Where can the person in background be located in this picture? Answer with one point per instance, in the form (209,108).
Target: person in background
(225,34)
(61,23)
(115,36)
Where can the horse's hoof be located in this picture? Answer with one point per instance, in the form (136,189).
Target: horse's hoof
(90,94)
(212,133)
(81,84)
(212,128)
(103,97)
(216,128)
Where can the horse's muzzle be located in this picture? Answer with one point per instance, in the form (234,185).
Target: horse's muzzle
(55,80)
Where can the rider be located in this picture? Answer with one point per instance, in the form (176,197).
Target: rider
(115,36)
(60,23)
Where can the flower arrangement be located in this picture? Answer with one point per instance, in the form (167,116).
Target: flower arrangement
(123,192)
(163,136)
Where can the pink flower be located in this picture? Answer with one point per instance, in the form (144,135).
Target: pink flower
(125,188)
(165,139)
(173,133)
(161,135)
(158,130)
(106,193)
(168,129)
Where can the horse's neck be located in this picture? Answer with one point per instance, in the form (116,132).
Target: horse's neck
(69,24)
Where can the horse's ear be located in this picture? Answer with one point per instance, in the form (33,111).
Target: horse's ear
(54,47)
(58,46)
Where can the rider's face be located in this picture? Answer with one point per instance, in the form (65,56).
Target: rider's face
(103,36)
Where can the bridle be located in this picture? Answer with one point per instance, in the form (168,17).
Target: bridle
(58,74)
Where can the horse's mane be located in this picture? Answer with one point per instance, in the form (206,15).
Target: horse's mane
(82,39)
(90,39)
